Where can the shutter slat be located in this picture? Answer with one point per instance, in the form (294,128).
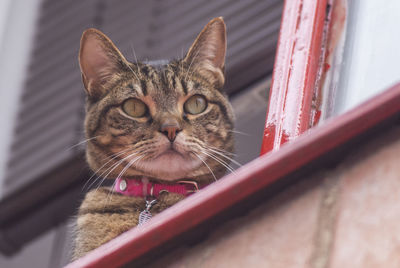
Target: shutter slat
(17,178)
(51,88)
(52,150)
(66,98)
(41,133)
(56,74)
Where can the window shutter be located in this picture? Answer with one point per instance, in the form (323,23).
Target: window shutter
(51,108)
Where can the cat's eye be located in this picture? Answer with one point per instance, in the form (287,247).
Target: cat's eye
(195,104)
(134,108)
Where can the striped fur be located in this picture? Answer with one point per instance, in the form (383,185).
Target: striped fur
(120,145)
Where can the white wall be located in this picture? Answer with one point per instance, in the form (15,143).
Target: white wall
(17,24)
(4,14)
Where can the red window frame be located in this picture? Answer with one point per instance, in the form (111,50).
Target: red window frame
(298,65)
(294,82)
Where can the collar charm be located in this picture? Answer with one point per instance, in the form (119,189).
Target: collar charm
(145,215)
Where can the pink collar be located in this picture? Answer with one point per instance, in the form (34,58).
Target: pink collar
(144,188)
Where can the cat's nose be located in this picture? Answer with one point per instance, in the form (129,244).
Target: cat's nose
(170,128)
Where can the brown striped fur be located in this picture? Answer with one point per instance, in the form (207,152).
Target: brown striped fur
(120,145)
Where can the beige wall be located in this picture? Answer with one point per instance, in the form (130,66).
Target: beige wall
(347,217)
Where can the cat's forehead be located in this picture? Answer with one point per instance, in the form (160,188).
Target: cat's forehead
(163,79)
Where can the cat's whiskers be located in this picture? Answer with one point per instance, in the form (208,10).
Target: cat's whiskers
(114,167)
(81,142)
(225,156)
(130,68)
(239,132)
(112,157)
(212,173)
(110,169)
(201,144)
(181,60)
(134,53)
(222,162)
(129,165)
(214,154)
(133,161)
(219,150)
(136,60)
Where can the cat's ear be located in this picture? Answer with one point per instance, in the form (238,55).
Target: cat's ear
(207,53)
(99,60)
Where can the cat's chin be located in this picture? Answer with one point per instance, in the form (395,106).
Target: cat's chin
(170,165)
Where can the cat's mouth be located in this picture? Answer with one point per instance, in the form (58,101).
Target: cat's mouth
(172,151)
(173,162)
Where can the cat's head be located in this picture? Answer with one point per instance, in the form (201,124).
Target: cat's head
(169,121)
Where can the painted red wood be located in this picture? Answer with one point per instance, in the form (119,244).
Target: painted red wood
(297,65)
(249,179)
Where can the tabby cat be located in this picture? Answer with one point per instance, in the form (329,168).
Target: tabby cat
(160,127)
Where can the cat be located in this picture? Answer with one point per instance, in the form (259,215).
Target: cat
(164,130)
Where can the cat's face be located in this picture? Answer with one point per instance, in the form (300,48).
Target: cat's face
(168,122)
